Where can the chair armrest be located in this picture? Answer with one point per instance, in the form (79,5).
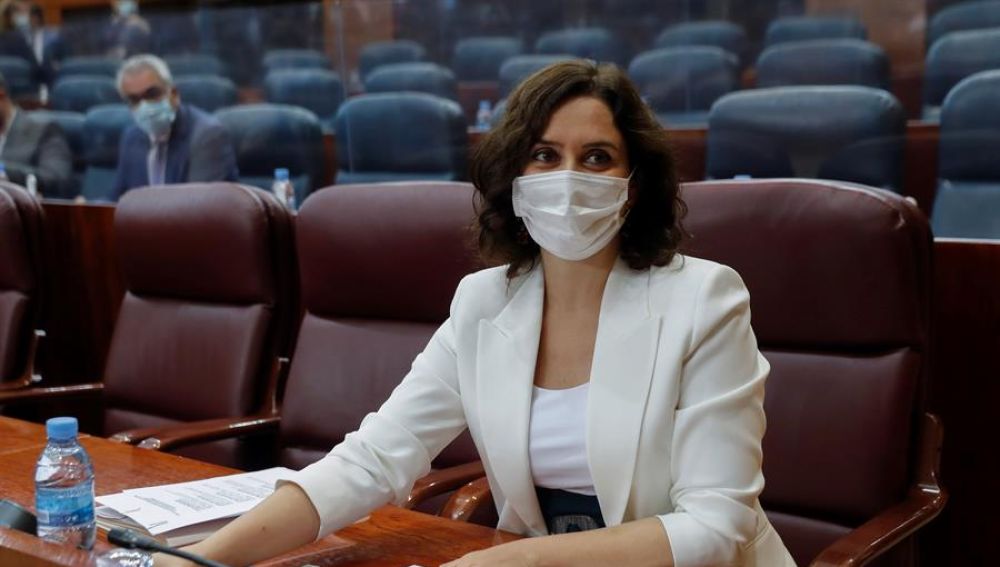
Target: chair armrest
(443,480)
(47,394)
(183,434)
(466,500)
(923,503)
(28,377)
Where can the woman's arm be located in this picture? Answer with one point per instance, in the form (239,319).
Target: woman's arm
(640,543)
(282,522)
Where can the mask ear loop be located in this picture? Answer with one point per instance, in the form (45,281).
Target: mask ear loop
(627,207)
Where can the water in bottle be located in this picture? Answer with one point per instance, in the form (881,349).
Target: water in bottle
(64,487)
(283,188)
(3,172)
(31,184)
(484,115)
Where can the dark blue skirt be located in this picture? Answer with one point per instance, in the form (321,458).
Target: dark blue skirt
(567,512)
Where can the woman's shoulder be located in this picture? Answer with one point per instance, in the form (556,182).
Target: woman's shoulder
(486,291)
(687,278)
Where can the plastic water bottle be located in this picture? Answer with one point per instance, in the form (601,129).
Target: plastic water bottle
(64,487)
(484,115)
(31,184)
(3,172)
(283,188)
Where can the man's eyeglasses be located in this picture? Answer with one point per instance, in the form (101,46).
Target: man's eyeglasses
(151,94)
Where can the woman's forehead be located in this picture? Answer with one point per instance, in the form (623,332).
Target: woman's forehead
(582,119)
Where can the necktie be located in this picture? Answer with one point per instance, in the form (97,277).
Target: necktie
(158,165)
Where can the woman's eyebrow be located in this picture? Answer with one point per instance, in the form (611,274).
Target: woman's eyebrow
(548,143)
(601,144)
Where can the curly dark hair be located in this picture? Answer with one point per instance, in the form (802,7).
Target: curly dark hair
(652,231)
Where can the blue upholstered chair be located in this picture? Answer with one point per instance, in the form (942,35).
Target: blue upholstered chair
(195,64)
(598,44)
(480,58)
(955,57)
(72,125)
(102,129)
(823,62)
(79,93)
(847,133)
(680,84)
(21,79)
(279,59)
(400,136)
(88,65)
(386,52)
(173,33)
(207,92)
(420,77)
(318,90)
(963,16)
(518,68)
(717,33)
(268,136)
(968,195)
(802,28)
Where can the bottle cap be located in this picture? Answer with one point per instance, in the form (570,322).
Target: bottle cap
(61,428)
(281,174)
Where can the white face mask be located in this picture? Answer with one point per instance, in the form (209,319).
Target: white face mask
(570,214)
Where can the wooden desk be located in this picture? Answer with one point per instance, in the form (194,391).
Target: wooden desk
(392,536)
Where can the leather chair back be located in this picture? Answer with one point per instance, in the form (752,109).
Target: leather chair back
(823,62)
(88,65)
(80,93)
(21,220)
(277,59)
(20,77)
(803,28)
(102,130)
(839,280)
(967,204)
(847,133)
(680,84)
(717,33)
(598,44)
(955,57)
(402,136)
(421,77)
(317,90)
(520,67)
(195,64)
(964,16)
(210,277)
(378,266)
(385,52)
(479,58)
(207,92)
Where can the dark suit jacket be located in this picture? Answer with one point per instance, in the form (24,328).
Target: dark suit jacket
(15,43)
(38,147)
(199,150)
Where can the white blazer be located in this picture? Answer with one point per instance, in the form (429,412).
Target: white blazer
(675,413)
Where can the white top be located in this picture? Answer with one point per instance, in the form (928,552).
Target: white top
(557,439)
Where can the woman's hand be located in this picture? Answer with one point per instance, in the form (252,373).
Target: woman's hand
(513,554)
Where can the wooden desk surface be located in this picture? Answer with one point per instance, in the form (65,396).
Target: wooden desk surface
(391,536)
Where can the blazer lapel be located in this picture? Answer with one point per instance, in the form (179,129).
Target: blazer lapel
(505,366)
(622,369)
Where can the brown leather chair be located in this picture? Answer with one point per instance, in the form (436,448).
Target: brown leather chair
(210,278)
(378,265)
(21,219)
(839,279)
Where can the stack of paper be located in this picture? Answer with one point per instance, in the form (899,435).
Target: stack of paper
(187,512)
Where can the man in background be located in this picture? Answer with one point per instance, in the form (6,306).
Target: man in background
(127,33)
(170,142)
(32,146)
(24,35)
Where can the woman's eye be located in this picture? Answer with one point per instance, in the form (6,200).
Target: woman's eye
(543,155)
(597,158)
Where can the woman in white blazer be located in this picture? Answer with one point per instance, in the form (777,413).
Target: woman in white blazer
(607,381)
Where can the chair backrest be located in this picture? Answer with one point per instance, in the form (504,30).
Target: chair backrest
(479,58)
(598,44)
(21,79)
(964,16)
(80,93)
(88,65)
(847,133)
(385,52)
(102,130)
(717,33)
(207,92)
(955,57)
(682,83)
(419,77)
(210,282)
(400,137)
(801,28)
(21,280)
(276,59)
(823,62)
(318,90)
(839,280)
(195,64)
(520,67)
(270,136)
(378,267)
(967,204)
(71,124)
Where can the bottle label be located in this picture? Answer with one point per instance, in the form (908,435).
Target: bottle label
(65,506)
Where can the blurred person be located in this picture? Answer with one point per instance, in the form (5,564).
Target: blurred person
(24,35)
(169,142)
(127,33)
(31,146)
(633,442)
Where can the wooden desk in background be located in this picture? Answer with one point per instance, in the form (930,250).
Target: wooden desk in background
(392,536)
